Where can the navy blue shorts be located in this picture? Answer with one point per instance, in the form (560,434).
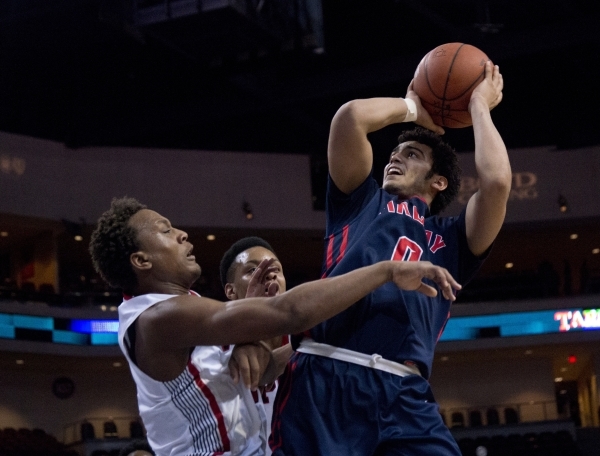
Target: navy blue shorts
(330,407)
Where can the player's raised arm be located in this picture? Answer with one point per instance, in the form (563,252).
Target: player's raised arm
(349,152)
(487,207)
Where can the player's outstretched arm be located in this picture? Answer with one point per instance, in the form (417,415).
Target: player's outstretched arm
(487,207)
(252,362)
(187,321)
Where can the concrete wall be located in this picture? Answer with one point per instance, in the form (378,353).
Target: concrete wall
(27,400)
(526,386)
(193,188)
(198,188)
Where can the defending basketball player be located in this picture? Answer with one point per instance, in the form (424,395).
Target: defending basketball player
(172,338)
(247,360)
(376,356)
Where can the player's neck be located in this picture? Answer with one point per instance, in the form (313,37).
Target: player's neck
(427,199)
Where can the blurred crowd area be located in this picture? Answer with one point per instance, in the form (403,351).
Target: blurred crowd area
(544,282)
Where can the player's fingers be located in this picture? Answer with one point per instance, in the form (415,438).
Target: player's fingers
(430,125)
(255,277)
(427,290)
(258,277)
(255,373)
(410,86)
(446,283)
(448,292)
(244,368)
(489,70)
(270,270)
(496,72)
(266,276)
(272,289)
(263,269)
(234,371)
(264,265)
(446,278)
(445,287)
(500,80)
(449,285)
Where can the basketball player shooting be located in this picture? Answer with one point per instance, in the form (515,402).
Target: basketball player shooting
(173,339)
(375,357)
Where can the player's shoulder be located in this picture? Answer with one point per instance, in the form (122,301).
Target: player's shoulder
(440,220)
(446,226)
(165,305)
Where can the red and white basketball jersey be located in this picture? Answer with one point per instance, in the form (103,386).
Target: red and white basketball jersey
(201,412)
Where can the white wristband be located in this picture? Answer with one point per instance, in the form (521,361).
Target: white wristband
(411,110)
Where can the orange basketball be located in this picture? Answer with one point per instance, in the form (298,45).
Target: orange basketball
(445,79)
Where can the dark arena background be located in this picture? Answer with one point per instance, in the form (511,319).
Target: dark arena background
(217,113)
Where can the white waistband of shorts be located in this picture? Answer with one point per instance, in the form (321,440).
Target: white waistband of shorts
(374,361)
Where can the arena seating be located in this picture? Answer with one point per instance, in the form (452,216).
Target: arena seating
(558,443)
(31,442)
(545,443)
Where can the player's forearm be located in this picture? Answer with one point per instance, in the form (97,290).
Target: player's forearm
(310,303)
(491,156)
(186,324)
(273,342)
(372,114)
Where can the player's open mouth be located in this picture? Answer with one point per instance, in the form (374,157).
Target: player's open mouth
(393,171)
(189,254)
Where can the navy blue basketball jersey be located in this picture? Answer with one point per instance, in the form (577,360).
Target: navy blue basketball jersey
(371,225)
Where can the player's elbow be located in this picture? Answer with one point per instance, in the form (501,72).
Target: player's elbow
(498,183)
(348,115)
(497,190)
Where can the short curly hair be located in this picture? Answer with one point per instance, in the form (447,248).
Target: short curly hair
(445,163)
(113,241)
(237,248)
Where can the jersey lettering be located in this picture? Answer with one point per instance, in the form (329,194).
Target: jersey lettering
(417,217)
(438,243)
(407,250)
(428,235)
(403,209)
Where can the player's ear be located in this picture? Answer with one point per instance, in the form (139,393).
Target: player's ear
(230,292)
(440,183)
(139,260)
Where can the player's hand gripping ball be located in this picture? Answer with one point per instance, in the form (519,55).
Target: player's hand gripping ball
(445,79)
